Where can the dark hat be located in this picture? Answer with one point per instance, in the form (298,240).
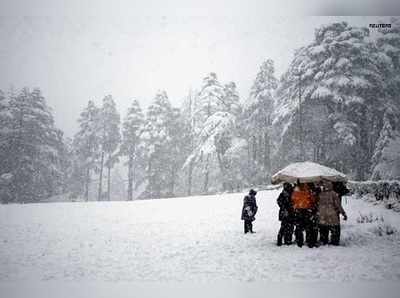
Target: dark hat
(287,185)
(252,192)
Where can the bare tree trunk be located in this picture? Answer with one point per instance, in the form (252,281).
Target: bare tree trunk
(190,174)
(172,185)
(191,167)
(18,164)
(130,178)
(192,140)
(363,158)
(87,183)
(87,178)
(301,136)
(248,152)
(321,156)
(205,187)
(260,149)
(267,159)
(267,155)
(135,182)
(101,177)
(254,148)
(150,185)
(222,169)
(315,153)
(108,182)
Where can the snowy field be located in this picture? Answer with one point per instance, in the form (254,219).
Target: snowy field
(198,239)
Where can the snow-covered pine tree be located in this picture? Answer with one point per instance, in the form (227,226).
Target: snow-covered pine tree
(258,111)
(6,135)
(385,136)
(66,157)
(339,75)
(86,145)
(34,149)
(178,147)
(49,165)
(224,140)
(75,180)
(388,43)
(231,99)
(110,138)
(131,146)
(189,107)
(215,127)
(386,157)
(6,131)
(210,99)
(156,137)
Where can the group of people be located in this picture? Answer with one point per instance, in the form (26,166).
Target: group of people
(310,208)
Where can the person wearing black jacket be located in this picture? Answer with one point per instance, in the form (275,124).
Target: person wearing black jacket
(249,211)
(341,189)
(286,215)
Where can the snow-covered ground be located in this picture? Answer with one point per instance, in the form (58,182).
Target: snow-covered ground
(186,239)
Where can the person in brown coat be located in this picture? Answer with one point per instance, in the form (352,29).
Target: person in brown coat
(329,209)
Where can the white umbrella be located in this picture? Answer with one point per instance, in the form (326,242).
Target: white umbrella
(305,172)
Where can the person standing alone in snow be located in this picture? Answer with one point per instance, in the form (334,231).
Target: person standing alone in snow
(249,211)
(285,215)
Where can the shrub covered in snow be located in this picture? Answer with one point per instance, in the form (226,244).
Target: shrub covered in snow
(383,229)
(377,224)
(386,192)
(369,218)
(5,187)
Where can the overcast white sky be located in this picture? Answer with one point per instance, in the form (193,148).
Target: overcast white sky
(73,57)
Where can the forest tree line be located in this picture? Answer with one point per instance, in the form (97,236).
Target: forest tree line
(337,104)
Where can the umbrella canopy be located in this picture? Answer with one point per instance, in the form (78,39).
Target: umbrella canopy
(307,171)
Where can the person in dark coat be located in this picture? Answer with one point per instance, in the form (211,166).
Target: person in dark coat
(341,189)
(249,211)
(315,190)
(286,215)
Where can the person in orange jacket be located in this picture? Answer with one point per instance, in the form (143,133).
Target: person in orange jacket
(304,201)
